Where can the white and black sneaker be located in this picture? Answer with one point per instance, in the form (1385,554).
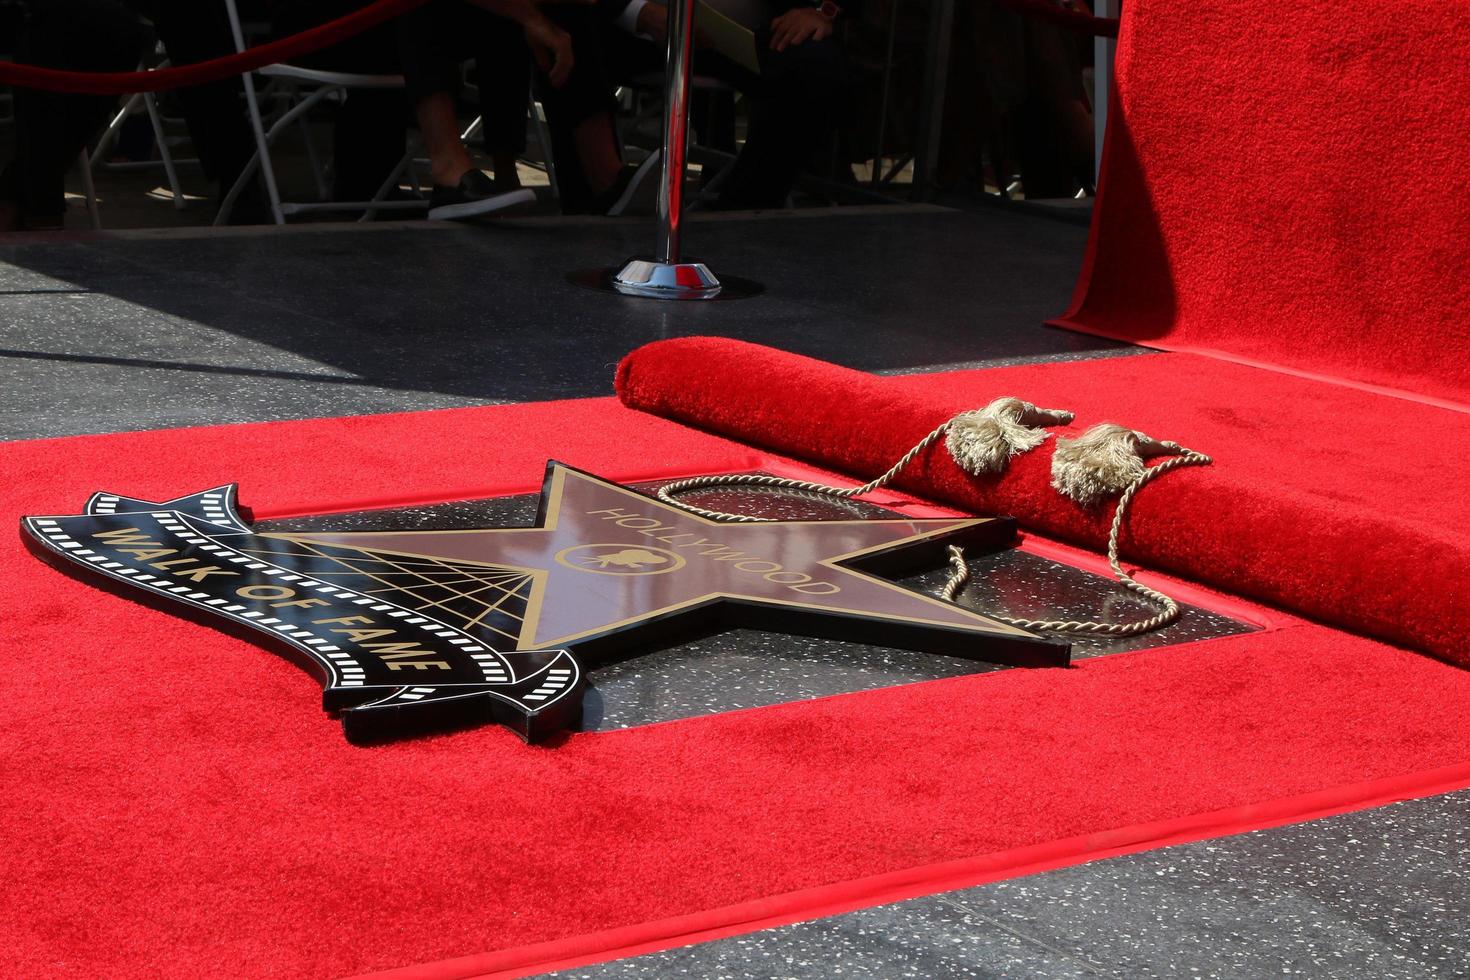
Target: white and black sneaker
(475,196)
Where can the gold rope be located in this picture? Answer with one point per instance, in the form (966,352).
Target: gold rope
(959,572)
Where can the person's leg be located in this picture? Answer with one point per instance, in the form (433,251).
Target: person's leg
(712,118)
(503,74)
(369,140)
(794,108)
(439,123)
(1063,118)
(370,127)
(434,40)
(51,129)
(430,47)
(191,32)
(597,150)
(626,58)
(580,116)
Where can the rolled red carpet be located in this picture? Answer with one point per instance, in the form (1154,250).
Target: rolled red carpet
(1331,501)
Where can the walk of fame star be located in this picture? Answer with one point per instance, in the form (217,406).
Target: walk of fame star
(611,568)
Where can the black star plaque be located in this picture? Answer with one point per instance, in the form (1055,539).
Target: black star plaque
(416,630)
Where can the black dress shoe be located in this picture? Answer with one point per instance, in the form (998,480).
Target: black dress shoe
(634,192)
(476,196)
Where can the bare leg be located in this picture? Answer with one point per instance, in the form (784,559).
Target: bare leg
(448,158)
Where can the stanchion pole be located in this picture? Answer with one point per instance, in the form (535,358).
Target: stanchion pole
(667,276)
(676,129)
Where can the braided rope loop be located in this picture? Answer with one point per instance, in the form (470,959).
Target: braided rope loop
(959,575)
(668,491)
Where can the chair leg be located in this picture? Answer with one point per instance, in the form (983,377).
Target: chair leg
(262,149)
(262,161)
(388,184)
(109,135)
(543,140)
(313,160)
(712,188)
(85,162)
(164,154)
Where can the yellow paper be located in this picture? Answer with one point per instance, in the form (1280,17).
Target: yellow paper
(728,36)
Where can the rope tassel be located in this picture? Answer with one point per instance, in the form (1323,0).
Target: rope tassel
(1104,461)
(983,441)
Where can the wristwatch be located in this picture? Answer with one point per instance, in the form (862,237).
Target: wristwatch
(828,9)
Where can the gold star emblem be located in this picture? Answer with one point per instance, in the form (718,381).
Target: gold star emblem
(611,568)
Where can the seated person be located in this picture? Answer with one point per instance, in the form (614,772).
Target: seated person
(192,31)
(435,38)
(51,128)
(98,35)
(370,125)
(794,101)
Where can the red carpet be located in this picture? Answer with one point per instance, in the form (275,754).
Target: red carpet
(176,804)
(1285,183)
(1333,502)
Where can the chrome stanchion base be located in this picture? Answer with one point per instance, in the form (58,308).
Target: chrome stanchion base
(606,279)
(666,280)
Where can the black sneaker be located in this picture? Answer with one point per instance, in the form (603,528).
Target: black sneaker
(476,196)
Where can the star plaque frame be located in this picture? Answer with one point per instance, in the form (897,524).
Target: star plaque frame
(414,630)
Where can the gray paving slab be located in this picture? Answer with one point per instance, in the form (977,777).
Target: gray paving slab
(329,321)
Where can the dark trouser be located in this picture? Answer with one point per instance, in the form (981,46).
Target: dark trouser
(794,106)
(53,128)
(435,38)
(193,31)
(427,48)
(106,35)
(370,127)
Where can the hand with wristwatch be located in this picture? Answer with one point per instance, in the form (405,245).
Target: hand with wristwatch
(802,24)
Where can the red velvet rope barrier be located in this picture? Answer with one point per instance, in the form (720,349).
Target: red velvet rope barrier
(1064,17)
(325,35)
(180,76)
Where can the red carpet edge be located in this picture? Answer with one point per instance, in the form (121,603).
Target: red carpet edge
(1063,323)
(817,903)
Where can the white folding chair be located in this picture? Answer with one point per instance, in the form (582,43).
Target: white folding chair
(303,89)
(84,163)
(652,83)
(144,102)
(543,143)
